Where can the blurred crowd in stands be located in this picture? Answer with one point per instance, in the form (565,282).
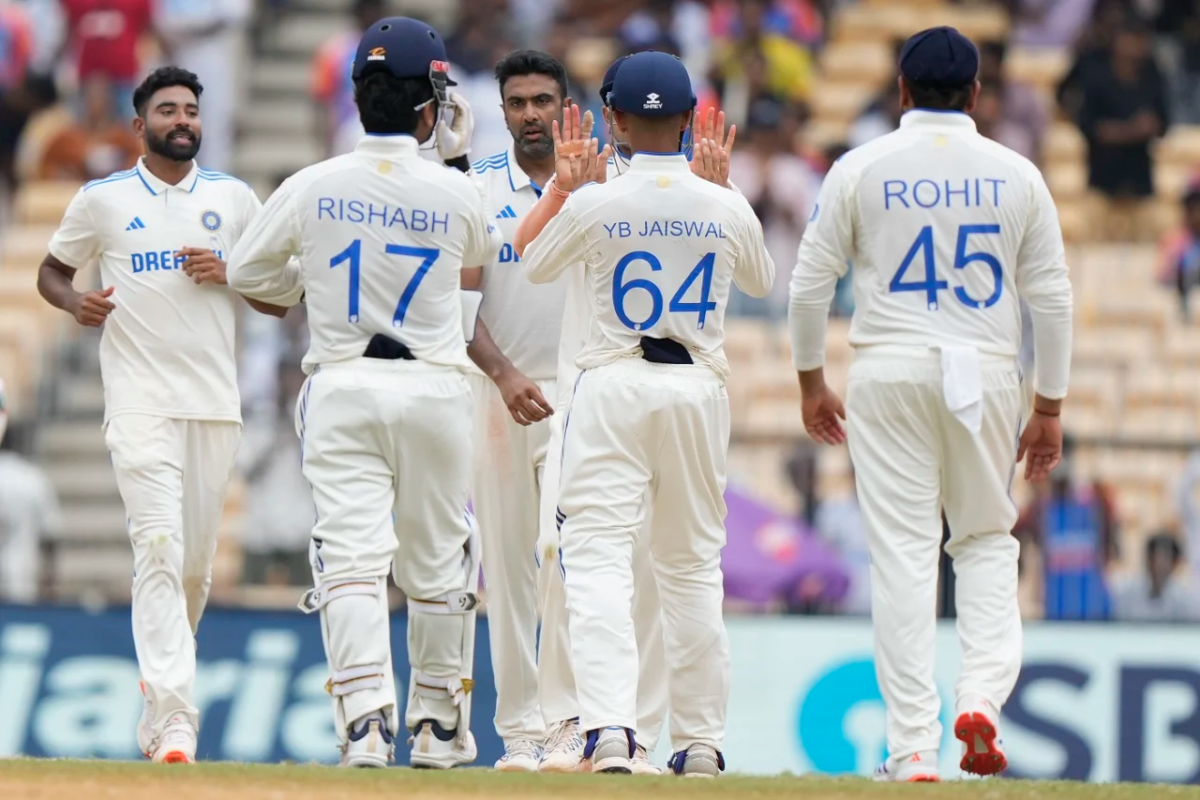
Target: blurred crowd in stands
(67,68)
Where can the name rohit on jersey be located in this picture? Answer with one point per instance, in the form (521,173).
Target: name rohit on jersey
(927,193)
(160,260)
(667,229)
(418,220)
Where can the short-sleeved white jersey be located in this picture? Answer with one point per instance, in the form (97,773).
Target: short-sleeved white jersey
(381,235)
(662,249)
(525,320)
(168,347)
(947,231)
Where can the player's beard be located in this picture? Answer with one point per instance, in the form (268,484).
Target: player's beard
(538,148)
(176,150)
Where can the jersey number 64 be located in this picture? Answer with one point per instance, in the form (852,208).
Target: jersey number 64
(703,271)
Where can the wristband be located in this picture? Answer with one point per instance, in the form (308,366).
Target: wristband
(1047,413)
(557,192)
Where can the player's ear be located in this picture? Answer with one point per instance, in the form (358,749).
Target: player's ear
(139,126)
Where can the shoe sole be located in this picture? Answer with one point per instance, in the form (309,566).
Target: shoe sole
(923,779)
(560,769)
(176,757)
(515,768)
(613,766)
(973,729)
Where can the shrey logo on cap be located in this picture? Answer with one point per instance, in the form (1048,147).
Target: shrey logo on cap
(439,66)
(653,101)
(377,54)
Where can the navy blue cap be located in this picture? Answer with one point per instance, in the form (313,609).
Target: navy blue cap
(405,47)
(610,75)
(652,84)
(939,57)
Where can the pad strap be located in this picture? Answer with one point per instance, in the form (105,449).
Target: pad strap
(449,603)
(439,688)
(355,679)
(317,598)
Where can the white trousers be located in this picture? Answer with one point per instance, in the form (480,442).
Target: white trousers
(641,437)
(387,450)
(912,459)
(172,475)
(510,460)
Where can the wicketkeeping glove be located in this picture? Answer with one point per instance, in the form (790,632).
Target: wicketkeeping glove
(454,140)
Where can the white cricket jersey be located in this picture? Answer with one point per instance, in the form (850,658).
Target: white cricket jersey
(381,235)
(947,231)
(525,320)
(661,249)
(168,348)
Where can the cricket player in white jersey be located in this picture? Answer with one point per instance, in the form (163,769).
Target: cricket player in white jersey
(650,413)
(381,235)
(515,488)
(947,231)
(172,414)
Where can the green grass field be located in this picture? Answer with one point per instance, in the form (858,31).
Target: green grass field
(22,779)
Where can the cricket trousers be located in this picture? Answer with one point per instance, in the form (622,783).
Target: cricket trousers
(912,459)
(510,461)
(172,475)
(386,447)
(644,437)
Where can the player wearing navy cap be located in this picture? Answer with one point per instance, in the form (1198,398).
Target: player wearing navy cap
(650,415)
(948,231)
(381,236)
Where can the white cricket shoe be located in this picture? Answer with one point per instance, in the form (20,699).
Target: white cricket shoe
(369,744)
(434,747)
(698,761)
(610,750)
(520,755)
(177,745)
(920,767)
(564,748)
(976,728)
(641,764)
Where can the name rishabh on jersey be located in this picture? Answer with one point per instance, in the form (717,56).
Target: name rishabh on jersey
(168,347)
(525,320)
(382,235)
(662,249)
(947,231)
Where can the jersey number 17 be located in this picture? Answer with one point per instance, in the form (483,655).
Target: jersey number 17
(353,254)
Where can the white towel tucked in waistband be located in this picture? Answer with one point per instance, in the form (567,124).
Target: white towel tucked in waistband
(962,385)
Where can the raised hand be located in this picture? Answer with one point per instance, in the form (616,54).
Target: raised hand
(577,157)
(712,146)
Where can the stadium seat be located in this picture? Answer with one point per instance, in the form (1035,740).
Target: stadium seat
(1067,179)
(1041,67)
(43,202)
(841,101)
(858,62)
(1063,144)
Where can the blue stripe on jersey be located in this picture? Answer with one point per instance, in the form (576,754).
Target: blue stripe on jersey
(116,176)
(498,161)
(219,176)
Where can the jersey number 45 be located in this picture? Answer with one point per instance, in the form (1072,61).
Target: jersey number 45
(962,259)
(702,272)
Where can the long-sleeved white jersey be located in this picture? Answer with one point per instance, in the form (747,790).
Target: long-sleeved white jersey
(381,235)
(661,249)
(947,231)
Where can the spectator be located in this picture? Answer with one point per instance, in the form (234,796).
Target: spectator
(333,90)
(1179,21)
(1189,514)
(1123,111)
(781,187)
(802,21)
(18,105)
(1048,23)
(104,38)
(96,146)
(1075,530)
(789,66)
(205,37)
(1023,118)
(16,46)
(279,508)
(29,513)
(993,121)
(1156,595)
(881,117)
(1181,255)
(651,28)
(1092,50)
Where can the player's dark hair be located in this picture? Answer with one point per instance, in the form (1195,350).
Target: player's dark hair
(388,105)
(531,62)
(940,98)
(164,78)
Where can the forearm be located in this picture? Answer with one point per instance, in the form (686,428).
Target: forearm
(267,308)
(543,211)
(56,288)
(267,283)
(486,355)
(1052,347)
(811,295)
(811,380)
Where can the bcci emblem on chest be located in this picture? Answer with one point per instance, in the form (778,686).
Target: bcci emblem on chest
(211,220)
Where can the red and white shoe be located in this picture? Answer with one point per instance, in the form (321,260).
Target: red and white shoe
(920,767)
(976,728)
(145,732)
(177,745)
